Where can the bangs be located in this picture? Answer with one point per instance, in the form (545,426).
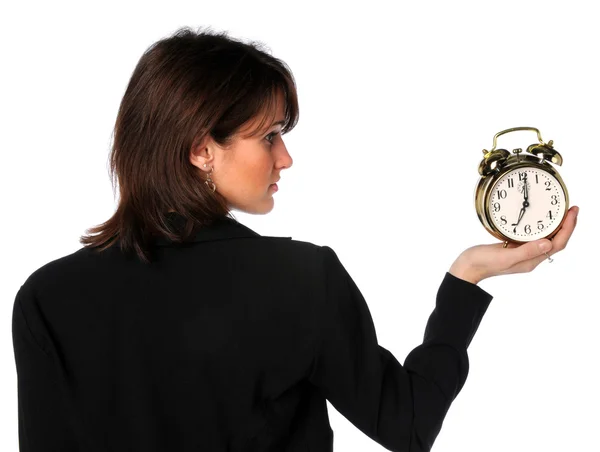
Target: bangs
(264,117)
(255,101)
(262,109)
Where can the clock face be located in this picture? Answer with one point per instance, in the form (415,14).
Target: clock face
(527,204)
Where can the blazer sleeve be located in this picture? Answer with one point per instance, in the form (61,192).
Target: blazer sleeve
(42,419)
(401,407)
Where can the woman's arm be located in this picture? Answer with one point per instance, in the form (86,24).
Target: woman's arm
(401,407)
(43,425)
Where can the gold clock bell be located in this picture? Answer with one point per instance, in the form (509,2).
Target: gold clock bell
(520,197)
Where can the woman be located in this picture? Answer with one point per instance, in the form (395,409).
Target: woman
(177,328)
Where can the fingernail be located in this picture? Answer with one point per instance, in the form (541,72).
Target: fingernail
(576,209)
(545,246)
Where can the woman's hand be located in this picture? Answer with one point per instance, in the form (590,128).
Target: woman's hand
(484,261)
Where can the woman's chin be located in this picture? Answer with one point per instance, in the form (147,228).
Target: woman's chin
(259,208)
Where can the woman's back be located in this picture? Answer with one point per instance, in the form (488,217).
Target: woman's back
(207,346)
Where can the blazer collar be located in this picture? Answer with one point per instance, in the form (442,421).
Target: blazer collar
(221,229)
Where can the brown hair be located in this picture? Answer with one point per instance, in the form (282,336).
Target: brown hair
(184,87)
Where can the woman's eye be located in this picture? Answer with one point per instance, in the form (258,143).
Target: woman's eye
(270,136)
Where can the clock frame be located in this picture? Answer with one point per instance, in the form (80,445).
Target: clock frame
(498,162)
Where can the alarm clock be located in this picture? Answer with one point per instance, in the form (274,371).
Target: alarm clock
(520,196)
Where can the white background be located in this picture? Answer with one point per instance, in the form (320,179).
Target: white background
(397,101)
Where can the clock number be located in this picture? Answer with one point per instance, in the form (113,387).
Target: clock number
(536,179)
(527,229)
(522,176)
(501,194)
(554,200)
(496,206)
(548,183)
(503,220)
(540,225)
(549,214)
(511,183)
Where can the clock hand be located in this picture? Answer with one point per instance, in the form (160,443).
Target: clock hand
(519,220)
(520,216)
(525,202)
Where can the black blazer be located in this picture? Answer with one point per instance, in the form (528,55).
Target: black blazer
(232,342)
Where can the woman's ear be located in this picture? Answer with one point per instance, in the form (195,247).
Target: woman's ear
(202,152)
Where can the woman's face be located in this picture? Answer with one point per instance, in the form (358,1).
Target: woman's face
(244,173)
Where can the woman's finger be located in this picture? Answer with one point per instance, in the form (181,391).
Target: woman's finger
(526,252)
(562,237)
(528,265)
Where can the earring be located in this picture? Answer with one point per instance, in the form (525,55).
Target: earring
(214,187)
